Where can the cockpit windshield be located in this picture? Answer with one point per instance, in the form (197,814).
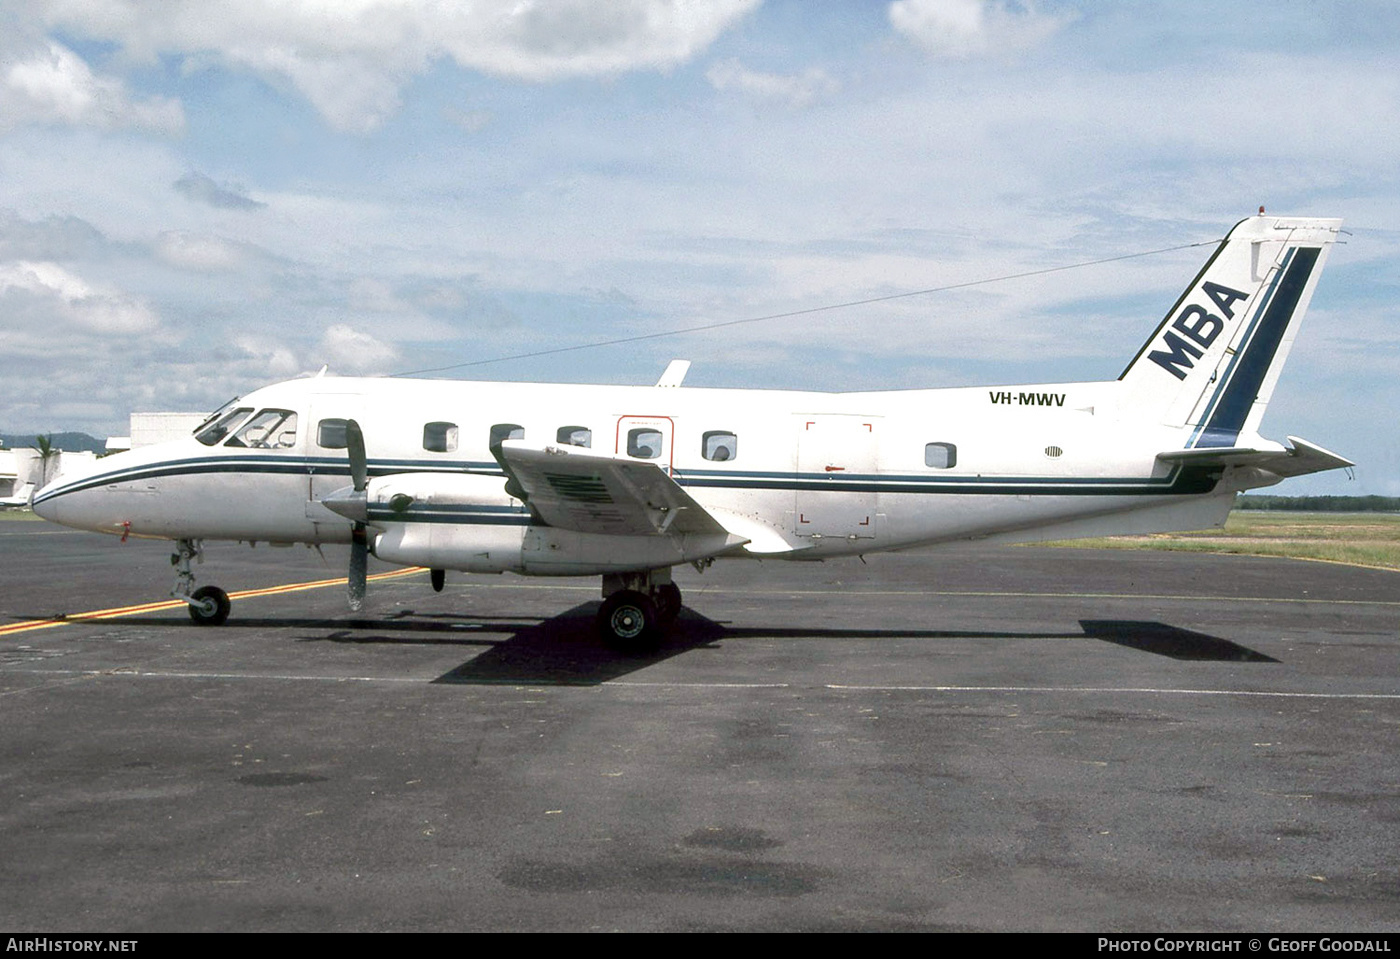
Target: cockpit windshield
(220,423)
(269,430)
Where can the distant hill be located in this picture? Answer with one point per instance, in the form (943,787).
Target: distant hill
(72,442)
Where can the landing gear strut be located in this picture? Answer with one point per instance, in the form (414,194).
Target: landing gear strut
(636,609)
(208,605)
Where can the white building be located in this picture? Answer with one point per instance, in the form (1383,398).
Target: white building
(150,428)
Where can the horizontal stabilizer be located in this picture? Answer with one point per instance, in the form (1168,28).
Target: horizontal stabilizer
(1300,459)
(577,489)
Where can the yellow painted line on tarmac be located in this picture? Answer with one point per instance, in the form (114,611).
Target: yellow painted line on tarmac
(120,611)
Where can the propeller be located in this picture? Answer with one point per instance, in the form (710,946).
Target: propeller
(359,539)
(352,502)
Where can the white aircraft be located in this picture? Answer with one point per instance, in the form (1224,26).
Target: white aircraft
(19,500)
(628,482)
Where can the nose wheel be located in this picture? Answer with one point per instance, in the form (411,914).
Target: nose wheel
(209,606)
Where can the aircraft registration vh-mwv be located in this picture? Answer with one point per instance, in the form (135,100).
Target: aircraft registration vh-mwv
(628,482)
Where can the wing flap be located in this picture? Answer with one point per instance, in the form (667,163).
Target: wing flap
(577,489)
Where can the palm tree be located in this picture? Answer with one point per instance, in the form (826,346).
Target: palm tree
(46,454)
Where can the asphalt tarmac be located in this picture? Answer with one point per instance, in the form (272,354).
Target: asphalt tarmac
(986,739)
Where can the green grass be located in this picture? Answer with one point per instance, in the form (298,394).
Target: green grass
(18,516)
(1361,539)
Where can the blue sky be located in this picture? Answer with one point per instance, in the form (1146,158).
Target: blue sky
(198,197)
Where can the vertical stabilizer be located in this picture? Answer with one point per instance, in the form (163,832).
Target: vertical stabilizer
(1212,363)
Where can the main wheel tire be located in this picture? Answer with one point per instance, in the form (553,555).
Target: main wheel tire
(668,602)
(628,621)
(438,577)
(210,606)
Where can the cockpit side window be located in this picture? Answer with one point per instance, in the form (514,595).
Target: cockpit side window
(217,427)
(330,434)
(269,430)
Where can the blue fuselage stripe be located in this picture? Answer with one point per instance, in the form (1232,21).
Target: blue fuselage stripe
(1179,481)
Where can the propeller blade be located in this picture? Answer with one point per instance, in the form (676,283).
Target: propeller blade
(359,464)
(359,541)
(359,566)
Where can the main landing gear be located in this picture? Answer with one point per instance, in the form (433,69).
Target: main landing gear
(636,608)
(208,605)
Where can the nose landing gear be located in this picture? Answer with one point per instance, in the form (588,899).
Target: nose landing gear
(208,605)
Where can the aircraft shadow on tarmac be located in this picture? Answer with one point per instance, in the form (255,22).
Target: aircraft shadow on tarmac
(566,650)
(1170,641)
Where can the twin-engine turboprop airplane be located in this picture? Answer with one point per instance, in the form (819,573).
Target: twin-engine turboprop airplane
(628,482)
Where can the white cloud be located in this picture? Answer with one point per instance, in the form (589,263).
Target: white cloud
(45,298)
(347,350)
(55,86)
(969,28)
(206,254)
(799,89)
(272,360)
(350,58)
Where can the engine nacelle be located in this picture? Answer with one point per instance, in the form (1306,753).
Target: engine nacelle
(468,522)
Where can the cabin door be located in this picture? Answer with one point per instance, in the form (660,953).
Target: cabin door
(837,466)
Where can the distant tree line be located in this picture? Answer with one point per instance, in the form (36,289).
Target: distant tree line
(1322,504)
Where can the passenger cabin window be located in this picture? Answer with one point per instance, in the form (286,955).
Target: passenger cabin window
(215,430)
(330,434)
(941,456)
(644,443)
(506,431)
(574,436)
(269,430)
(719,445)
(440,437)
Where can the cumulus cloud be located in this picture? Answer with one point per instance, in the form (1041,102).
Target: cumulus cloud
(970,28)
(198,187)
(799,89)
(270,358)
(42,298)
(348,350)
(53,85)
(350,59)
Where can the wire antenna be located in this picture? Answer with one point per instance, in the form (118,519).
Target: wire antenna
(598,344)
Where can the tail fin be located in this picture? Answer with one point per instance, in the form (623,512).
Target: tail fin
(1212,363)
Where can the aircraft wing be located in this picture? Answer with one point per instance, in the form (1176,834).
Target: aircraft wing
(578,489)
(1300,459)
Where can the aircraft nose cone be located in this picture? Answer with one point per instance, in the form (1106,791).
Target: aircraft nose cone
(348,502)
(47,509)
